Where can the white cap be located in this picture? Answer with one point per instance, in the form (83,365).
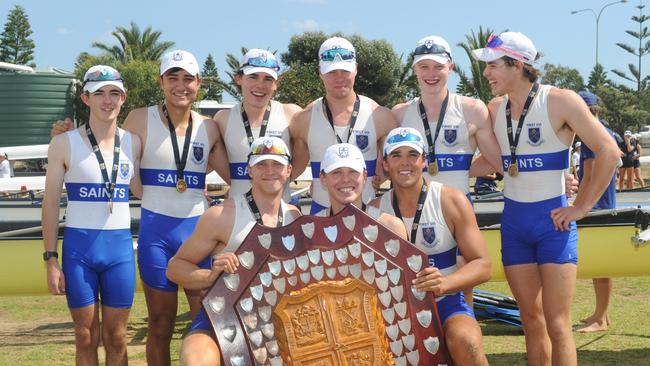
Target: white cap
(99,76)
(512,44)
(179,58)
(432,48)
(330,59)
(578,144)
(627,133)
(343,156)
(269,148)
(403,136)
(258,60)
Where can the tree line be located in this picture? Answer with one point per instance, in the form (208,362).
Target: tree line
(383,75)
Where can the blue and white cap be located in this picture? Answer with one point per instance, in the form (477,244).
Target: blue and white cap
(403,136)
(259,60)
(337,53)
(269,148)
(343,156)
(99,76)
(181,59)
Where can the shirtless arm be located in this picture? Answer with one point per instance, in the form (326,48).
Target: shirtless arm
(461,221)
(298,130)
(136,184)
(204,241)
(567,106)
(218,159)
(478,118)
(394,224)
(58,156)
(384,123)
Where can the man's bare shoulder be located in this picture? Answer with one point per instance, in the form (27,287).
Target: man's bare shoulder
(394,224)
(375,202)
(300,120)
(290,109)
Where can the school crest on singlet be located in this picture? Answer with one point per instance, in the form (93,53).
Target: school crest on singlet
(451,136)
(124,170)
(534,135)
(361,140)
(198,152)
(429,239)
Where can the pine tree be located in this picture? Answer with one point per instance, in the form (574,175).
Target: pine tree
(598,77)
(642,50)
(15,45)
(212,84)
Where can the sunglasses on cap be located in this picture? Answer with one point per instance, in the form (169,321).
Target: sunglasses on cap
(337,54)
(407,137)
(431,49)
(103,75)
(262,61)
(272,149)
(494,42)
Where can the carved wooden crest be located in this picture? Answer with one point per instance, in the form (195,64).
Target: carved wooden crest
(326,291)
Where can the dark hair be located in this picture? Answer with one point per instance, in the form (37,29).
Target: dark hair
(595,109)
(172,70)
(530,72)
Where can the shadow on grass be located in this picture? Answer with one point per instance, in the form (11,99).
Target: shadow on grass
(633,356)
(137,328)
(53,333)
(495,328)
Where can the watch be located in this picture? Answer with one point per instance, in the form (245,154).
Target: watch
(48,254)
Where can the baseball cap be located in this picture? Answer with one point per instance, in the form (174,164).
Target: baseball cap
(337,53)
(99,76)
(589,97)
(258,60)
(403,136)
(343,156)
(627,133)
(265,148)
(179,58)
(512,44)
(432,48)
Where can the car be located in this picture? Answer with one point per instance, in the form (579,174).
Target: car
(644,133)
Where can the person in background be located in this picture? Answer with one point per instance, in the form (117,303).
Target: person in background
(5,168)
(575,160)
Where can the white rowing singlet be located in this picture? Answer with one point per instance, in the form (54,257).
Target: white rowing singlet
(541,156)
(453,150)
(158,168)
(321,136)
(84,184)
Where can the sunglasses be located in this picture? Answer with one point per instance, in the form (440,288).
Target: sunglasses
(407,137)
(262,61)
(263,149)
(104,75)
(496,43)
(431,49)
(337,54)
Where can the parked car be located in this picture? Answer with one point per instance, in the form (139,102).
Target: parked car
(645,136)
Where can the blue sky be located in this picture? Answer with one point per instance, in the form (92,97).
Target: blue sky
(63,29)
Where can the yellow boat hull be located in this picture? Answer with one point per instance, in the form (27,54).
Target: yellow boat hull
(603,251)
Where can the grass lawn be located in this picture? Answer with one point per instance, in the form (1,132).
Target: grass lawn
(37,330)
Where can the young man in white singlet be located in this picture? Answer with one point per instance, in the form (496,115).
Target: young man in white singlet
(97,162)
(256,116)
(438,220)
(538,229)
(269,169)
(341,116)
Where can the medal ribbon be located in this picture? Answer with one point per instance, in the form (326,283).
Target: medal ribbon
(418,210)
(109,184)
(256,211)
(247,124)
(515,141)
(181,161)
(431,152)
(353,118)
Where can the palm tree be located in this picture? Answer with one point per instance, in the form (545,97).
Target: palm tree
(135,45)
(233,63)
(476,86)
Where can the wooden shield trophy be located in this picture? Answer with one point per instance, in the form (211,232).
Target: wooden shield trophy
(326,291)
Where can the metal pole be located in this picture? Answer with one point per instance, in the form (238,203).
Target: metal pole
(597,16)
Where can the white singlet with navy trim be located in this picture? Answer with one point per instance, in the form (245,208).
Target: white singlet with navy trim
(453,150)
(84,183)
(158,168)
(541,157)
(245,221)
(433,236)
(321,136)
(237,145)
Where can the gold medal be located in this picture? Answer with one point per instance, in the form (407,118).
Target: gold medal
(513,171)
(181,186)
(432,169)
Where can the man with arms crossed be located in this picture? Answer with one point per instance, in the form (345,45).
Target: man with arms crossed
(438,219)
(97,162)
(269,168)
(535,126)
(341,116)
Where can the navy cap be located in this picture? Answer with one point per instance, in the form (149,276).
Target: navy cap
(589,97)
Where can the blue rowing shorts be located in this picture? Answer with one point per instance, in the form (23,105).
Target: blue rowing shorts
(98,264)
(316,208)
(201,322)
(528,234)
(452,305)
(159,240)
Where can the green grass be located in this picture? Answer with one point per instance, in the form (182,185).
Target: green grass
(37,330)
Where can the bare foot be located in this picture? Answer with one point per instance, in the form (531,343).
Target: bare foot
(592,327)
(595,319)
